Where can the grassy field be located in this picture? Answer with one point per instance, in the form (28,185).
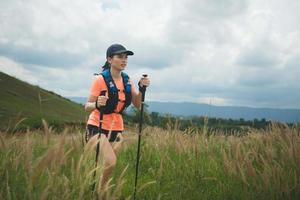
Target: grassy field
(174,165)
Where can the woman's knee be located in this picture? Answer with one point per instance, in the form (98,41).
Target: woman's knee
(111,160)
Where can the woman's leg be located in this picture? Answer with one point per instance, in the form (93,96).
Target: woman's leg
(117,146)
(108,152)
(109,158)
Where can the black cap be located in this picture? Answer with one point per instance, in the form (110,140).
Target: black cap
(117,49)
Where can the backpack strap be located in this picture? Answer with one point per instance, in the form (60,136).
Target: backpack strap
(127,91)
(126,83)
(113,95)
(111,86)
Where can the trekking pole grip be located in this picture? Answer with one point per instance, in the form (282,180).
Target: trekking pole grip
(102,93)
(144,89)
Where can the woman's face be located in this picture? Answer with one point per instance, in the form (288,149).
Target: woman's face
(118,61)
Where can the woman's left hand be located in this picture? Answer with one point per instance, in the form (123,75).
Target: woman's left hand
(144,81)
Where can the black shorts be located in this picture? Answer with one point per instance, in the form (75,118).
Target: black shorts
(92,130)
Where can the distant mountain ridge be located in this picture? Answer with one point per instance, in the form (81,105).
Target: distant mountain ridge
(233,112)
(247,113)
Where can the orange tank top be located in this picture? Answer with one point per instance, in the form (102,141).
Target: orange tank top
(112,121)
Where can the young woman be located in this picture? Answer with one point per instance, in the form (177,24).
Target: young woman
(111,80)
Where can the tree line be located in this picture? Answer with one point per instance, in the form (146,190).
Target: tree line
(227,126)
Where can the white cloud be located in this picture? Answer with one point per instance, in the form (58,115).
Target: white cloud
(14,69)
(235,52)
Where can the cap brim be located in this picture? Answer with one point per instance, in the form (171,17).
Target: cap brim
(130,53)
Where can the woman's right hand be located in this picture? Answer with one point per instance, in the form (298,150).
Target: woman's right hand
(101,100)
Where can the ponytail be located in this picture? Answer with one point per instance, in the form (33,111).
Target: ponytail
(106,66)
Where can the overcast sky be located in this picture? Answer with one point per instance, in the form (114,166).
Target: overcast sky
(224,52)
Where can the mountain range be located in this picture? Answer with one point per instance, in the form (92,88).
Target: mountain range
(186,109)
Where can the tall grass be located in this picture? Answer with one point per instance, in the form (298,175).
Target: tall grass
(264,164)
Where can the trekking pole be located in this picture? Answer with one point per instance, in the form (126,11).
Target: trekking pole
(139,139)
(98,145)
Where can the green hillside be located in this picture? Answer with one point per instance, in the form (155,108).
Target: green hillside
(19,100)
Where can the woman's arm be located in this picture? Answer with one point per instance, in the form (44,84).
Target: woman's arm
(90,105)
(96,87)
(137,100)
(137,96)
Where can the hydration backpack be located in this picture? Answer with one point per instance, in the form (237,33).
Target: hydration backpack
(113,96)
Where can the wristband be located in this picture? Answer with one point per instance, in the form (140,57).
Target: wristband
(96,104)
